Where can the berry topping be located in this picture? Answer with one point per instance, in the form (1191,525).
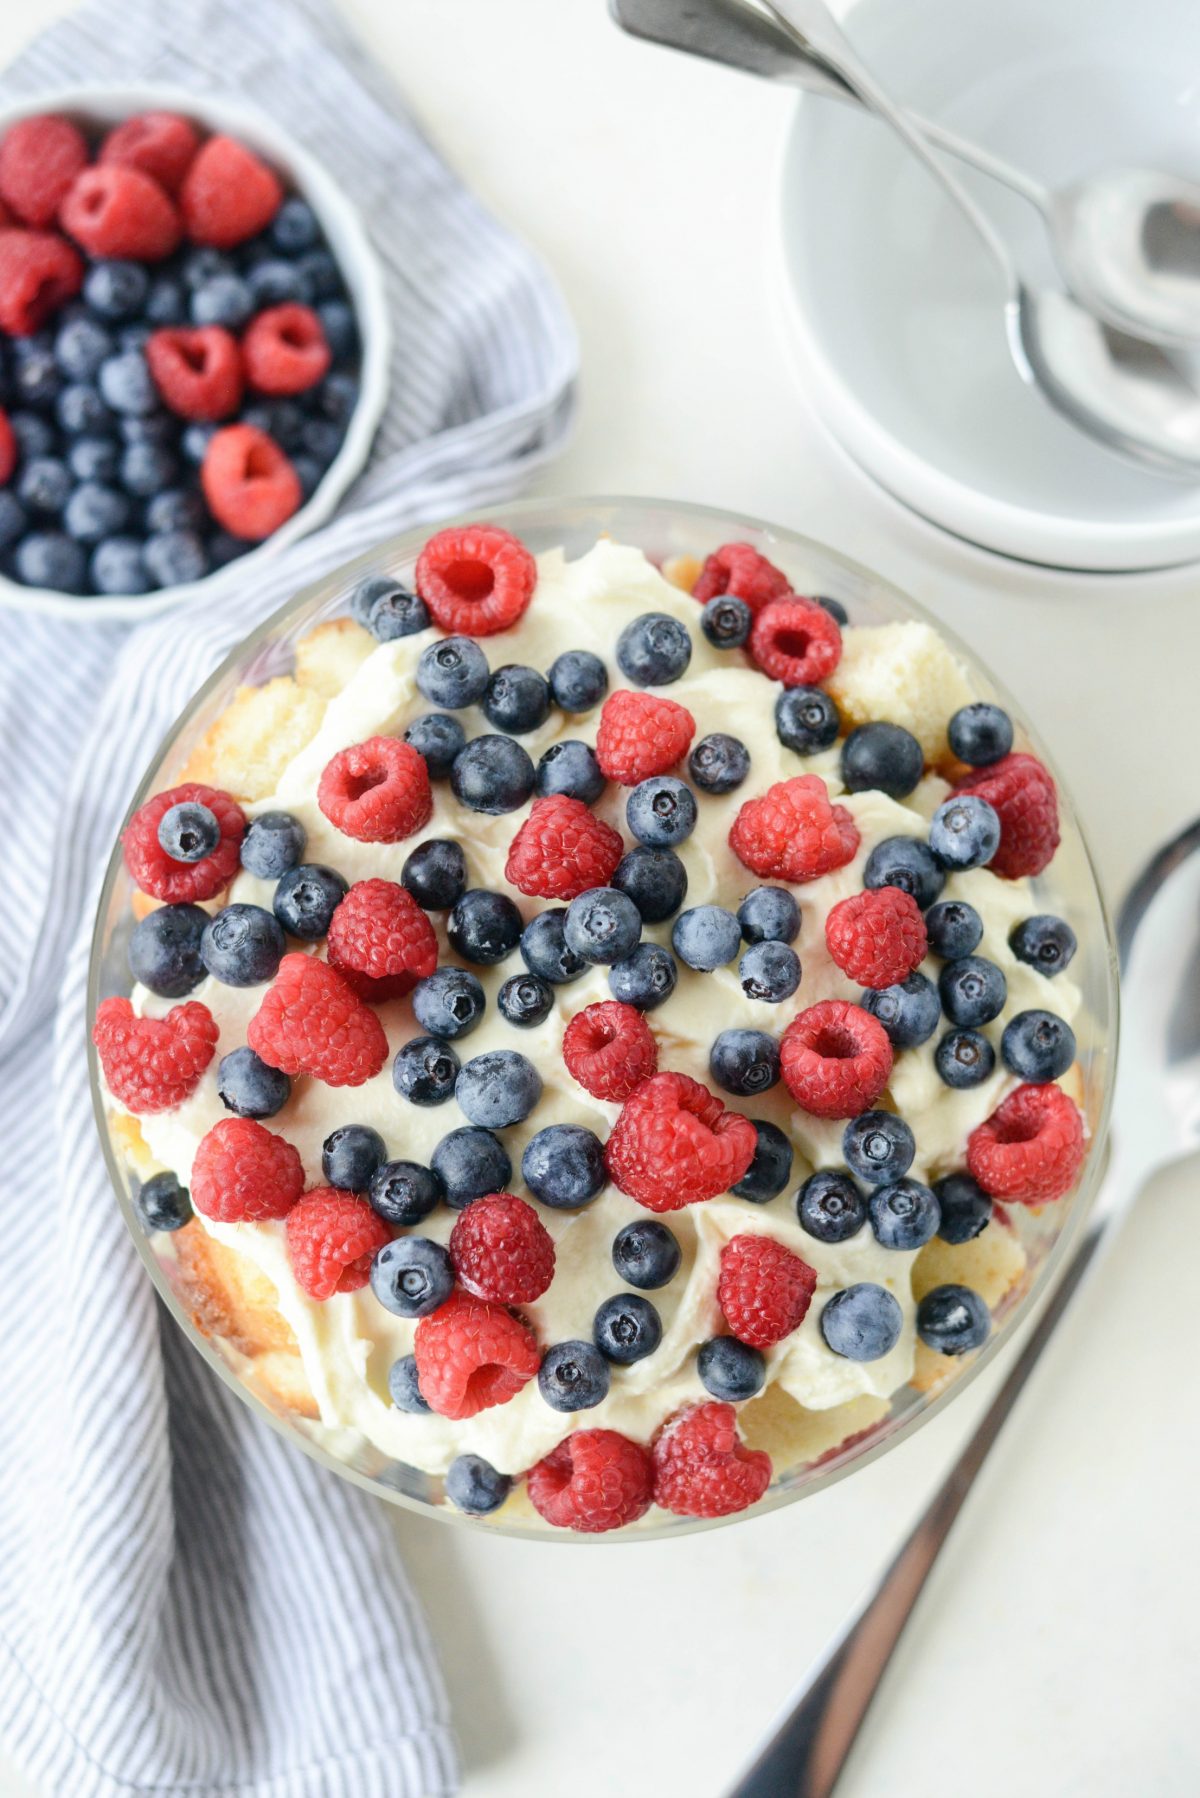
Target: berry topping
(830,1206)
(726,621)
(197,372)
(578,680)
(836,1059)
(244,1174)
(769,972)
(674,1144)
(517,699)
(653,650)
(964,832)
(882,756)
(284,350)
(609,1048)
(404,1192)
(478,579)
(387,609)
(242,945)
(646,978)
(980,734)
(449,1003)
(470,1162)
(412,1276)
(706,937)
(1044,943)
(525,1000)
(769,915)
(879,1147)
(563,1166)
(655,879)
(1025,800)
(571,768)
(162,1204)
(472,1355)
(905,863)
(764,1291)
(306,899)
(164,950)
(793,832)
(877,937)
(862,1322)
(744,1061)
(964,1058)
(573,1376)
(228,194)
(425,1070)
(719,763)
(380,940)
(954,929)
(562,850)
(483,926)
(910,1011)
(250,485)
(1031,1148)
(626,1329)
(795,642)
(953,1320)
(474,1486)
(272,845)
(153,1064)
(501,1250)
(492,774)
(544,948)
(377,791)
(966,1209)
(453,673)
(403,1388)
(38,272)
(646,1254)
(596,1480)
(498,1088)
(738,568)
(972,990)
(702,1468)
(661,812)
(904,1215)
(641,734)
(160,144)
(312,1022)
(603,926)
(730,1370)
(435,874)
(176,882)
(332,1238)
(248,1087)
(118,211)
(771,1168)
(39,159)
(806,720)
(351,1156)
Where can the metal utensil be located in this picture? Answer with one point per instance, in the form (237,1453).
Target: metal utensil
(1155,1121)
(1127,241)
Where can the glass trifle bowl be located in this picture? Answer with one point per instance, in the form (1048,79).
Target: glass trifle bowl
(674,1317)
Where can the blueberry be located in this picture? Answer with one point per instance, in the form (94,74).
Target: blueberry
(862,1322)
(404,1193)
(201,265)
(164,950)
(163,1203)
(449,1003)
(306,899)
(882,756)
(806,720)
(646,1254)
(483,926)
(771,1168)
(661,811)
(188,832)
(544,948)
(242,945)
(166,301)
(274,283)
(626,1328)
(980,734)
(80,411)
(563,1166)
(769,915)
(644,979)
(195,440)
(1044,942)
(903,1215)
(223,548)
(910,1011)
(36,378)
(387,608)
(321,439)
(425,1070)
(351,1157)
(14,520)
(435,873)
(498,1088)
(726,621)
(953,1320)
(320,275)
(973,991)
(44,484)
(731,1370)
(176,509)
(964,1058)
(453,673)
(340,327)
(161,428)
(906,863)
(294,227)
(1037,1046)
(125,383)
(439,738)
(82,344)
(573,1376)
(878,1147)
(403,1389)
(51,559)
(116,567)
(412,1276)
(744,1061)
(769,971)
(173,558)
(964,832)
(147,468)
(116,290)
(492,775)
(835,608)
(569,767)
(954,929)
(35,436)
(654,650)
(706,937)
(719,763)
(250,1087)
(309,473)
(966,1209)
(225,300)
(578,680)
(94,459)
(655,879)
(525,1000)
(474,1486)
(470,1162)
(603,925)
(516,699)
(830,1206)
(272,845)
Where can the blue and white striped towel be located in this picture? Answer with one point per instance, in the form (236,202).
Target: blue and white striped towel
(187,1604)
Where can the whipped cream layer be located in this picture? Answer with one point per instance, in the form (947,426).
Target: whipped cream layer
(349,1342)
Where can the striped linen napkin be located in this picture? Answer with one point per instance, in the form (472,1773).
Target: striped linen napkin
(187,1604)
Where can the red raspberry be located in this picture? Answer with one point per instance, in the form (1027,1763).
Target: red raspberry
(476,580)
(641,734)
(836,1059)
(228,194)
(594,1481)
(702,1469)
(738,568)
(796,642)
(160,144)
(377,791)
(39,159)
(793,833)
(380,941)
(198,372)
(562,850)
(153,1064)
(38,272)
(877,938)
(332,1239)
(764,1291)
(610,1048)
(311,1022)
(502,1250)
(1031,1148)
(472,1355)
(244,1173)
(675,1144)
(118,211)
(285,350)
(8,449)
(183,883)
(249,484)
(1026,801)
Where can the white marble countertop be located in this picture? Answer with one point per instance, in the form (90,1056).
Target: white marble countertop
(1055,1653)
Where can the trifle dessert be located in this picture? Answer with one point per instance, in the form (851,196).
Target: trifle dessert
(594,1038)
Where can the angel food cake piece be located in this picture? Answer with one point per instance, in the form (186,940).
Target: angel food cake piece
(584,1027)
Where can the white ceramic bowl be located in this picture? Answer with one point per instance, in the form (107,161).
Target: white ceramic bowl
(894,309)
(343,227)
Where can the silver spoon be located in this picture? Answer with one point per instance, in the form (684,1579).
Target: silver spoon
(1127,241)
(1155,1121)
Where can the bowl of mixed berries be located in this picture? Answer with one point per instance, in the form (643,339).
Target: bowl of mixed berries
(193,346)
